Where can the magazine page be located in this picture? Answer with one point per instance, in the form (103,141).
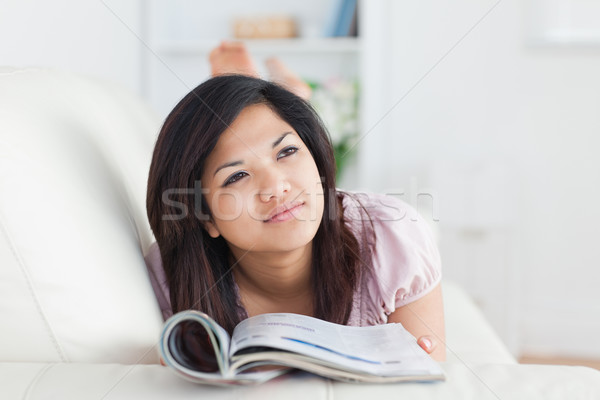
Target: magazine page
(193,340)
(197,348)
(383,350)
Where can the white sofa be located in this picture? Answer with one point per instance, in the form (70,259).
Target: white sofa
(78,315)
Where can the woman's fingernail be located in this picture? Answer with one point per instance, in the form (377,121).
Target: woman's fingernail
(426,343)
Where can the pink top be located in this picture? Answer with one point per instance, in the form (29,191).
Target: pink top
(405,263)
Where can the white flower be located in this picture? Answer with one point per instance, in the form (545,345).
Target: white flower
(336,101)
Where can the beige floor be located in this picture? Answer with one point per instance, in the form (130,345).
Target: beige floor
(559,361)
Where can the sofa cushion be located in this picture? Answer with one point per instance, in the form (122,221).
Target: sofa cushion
(74,155)
(479,382)
(470,339)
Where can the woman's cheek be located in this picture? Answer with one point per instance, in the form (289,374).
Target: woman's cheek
(227,205)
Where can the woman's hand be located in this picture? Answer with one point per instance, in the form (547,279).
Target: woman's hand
(424,319)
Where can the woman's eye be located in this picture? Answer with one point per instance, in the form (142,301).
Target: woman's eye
(235,177)
(288,151)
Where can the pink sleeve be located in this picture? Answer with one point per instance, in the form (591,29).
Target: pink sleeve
(158,280)
(406,262)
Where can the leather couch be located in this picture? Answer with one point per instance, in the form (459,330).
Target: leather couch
(78,315)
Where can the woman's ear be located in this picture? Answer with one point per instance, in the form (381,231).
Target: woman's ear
(212,230)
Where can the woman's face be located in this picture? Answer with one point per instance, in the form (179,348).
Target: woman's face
(262,185)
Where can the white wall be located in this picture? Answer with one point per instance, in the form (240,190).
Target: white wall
(495,126)
(85,36)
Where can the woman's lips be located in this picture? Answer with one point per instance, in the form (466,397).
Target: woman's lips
(285,212)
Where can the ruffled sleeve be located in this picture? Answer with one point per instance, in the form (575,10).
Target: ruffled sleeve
(405,262)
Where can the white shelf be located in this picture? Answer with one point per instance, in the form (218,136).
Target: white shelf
(334,45)
(565,40)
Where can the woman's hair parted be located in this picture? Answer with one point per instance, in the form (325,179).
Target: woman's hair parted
(197,266)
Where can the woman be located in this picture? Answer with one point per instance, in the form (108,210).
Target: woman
(243,204)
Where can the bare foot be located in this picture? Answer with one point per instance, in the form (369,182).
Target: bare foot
(231,58)
(285,77)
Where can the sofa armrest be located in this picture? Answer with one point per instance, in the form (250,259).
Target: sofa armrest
(117,381)
(470,339)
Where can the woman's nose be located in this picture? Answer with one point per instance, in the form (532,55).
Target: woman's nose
(274,185)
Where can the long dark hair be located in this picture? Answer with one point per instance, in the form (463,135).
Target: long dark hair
(198,266)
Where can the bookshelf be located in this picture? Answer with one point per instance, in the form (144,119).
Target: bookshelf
(333,45)
(181,34)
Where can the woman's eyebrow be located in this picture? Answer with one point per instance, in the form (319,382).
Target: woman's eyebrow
(229,164)
(275,143)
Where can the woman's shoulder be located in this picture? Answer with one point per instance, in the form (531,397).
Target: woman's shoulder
(386,213)
(158,279)
(377,207)
(404,259)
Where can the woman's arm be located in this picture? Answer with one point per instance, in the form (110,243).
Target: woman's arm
(424,319)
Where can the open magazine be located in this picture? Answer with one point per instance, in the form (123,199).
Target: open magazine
(265,346)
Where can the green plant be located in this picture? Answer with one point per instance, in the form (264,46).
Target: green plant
(337,101)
